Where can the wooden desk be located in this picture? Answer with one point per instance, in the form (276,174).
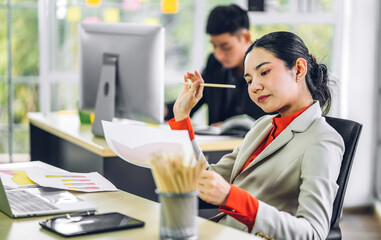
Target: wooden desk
(129,204)
(62,141)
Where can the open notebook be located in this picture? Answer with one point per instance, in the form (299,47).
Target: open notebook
(38,201)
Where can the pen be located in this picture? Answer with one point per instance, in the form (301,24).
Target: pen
(92,212)
(68,216)
(211,85)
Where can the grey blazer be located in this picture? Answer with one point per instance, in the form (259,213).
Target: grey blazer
(294,178)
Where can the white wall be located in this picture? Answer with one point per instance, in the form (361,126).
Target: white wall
(359,89)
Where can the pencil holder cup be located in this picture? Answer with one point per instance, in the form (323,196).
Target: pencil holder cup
(178,213)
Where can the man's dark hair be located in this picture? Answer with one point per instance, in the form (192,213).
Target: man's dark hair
(227,19)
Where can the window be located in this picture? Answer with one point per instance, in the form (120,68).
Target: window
(185,50)
(19,70)
(44,66)
(4,149)
(317,22)
(62,36)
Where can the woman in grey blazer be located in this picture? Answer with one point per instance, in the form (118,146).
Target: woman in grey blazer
(283,185)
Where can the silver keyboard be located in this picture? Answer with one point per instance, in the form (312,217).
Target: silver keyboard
(25,202)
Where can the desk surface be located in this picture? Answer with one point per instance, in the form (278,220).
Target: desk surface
(134,206)
(68,127)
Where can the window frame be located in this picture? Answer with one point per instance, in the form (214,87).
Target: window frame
(11,80)
(49,77)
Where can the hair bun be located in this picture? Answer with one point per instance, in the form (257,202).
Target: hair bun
(318,73)
(319,77)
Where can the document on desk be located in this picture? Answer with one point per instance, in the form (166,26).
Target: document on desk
(81,182)
(17,177)
(136,143)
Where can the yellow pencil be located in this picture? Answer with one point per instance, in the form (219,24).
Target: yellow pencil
(211,85)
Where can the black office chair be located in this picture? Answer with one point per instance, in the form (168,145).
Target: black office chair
(350,132)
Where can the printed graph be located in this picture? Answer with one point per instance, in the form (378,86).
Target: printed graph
(82,182)
(75,182)
(19,177)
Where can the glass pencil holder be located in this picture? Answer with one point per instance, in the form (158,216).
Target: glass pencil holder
(178,215)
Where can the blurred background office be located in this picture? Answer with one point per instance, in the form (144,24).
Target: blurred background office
(39,60)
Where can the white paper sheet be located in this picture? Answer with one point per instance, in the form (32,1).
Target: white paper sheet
(81,182)
(17,177)
(135,143)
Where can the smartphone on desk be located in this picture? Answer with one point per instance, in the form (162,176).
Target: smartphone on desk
(82,224)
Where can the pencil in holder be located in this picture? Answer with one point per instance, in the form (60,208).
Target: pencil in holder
(178,215)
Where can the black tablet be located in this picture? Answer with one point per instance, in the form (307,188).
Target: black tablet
(68,226)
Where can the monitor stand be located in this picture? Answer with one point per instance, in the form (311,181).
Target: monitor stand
(105,103)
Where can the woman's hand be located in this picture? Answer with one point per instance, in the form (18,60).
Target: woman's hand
(189,97)
(213,188)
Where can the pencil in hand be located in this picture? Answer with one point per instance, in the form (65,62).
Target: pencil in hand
(211,85)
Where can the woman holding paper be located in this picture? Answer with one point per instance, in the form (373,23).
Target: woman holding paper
(281,180)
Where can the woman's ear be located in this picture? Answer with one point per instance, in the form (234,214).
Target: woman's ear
(301,68)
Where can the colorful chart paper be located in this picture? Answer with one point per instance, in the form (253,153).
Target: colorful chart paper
(82,182)
(15,178)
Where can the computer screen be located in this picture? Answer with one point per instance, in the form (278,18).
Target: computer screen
(133,55)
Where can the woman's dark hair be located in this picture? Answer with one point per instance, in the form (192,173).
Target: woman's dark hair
(227,19)
(289,47)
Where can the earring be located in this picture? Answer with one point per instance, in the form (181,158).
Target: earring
(297,77)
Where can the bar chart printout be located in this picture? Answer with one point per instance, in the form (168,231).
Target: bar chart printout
(82,182)
(16,178)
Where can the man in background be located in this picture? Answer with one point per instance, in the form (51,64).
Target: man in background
(228,27)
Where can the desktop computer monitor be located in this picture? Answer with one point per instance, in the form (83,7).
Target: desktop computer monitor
(121,72)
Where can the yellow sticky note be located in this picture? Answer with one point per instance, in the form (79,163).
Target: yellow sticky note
(111,15)
(169,6)
(152,21)
(73,14)
(93,3)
